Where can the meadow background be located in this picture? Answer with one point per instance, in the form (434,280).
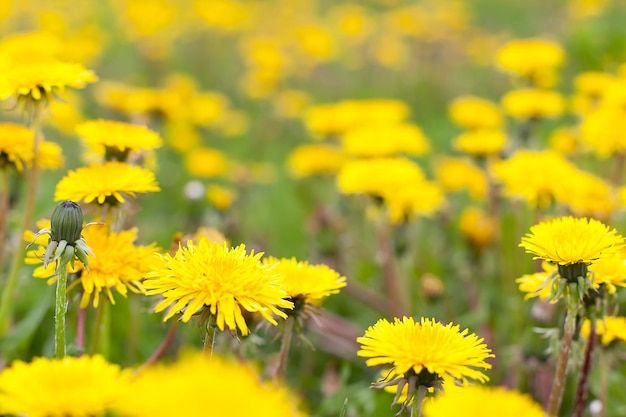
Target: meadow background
(240,79)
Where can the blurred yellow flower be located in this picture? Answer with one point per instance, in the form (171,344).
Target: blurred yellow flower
(68,387)
(377,175)
(564,140)
(532,103)
(206,162)
(225,15)
(593,83)
(537,284)
(105,183)
(221,197)
(534,176)
(222,280)
(125,98)
(531,58)
(385,140)
(315,41)
(476,400)
(306,283)
(412,199)
(352,21)
(569,240)
(477,227)
(456,174)
(587,195)
(308,160)
(175,390)
(116,139)
(17,148)
(470,112)
(608,328)
(290,103)
(598,131)
(481,142)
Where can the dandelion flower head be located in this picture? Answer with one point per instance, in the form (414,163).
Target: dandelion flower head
(481,142)
(385,140)
(224,280)
(68,387)
(206,162)
(529,103)
(17,148)
(175,390)
(532,58)
(315,159)
(457,174)
(105,183)
(377,175)
(442,350)
(112,136)
(413,199)
(608,328)
(471,113)
(476,400)
(569,240)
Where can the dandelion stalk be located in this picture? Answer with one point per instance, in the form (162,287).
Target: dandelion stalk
(560,375)
(396,307)
(583,382)
(81,318)
(60,309)
(209,338)
(5,190)
(284,349)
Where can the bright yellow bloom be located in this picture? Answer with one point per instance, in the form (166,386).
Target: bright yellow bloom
(17,147)
(587,195)
(609,328)
(336,118)
(308,160)
(442,350)
(37,80)
(305,282)
(481,142)
(118,264)
(221,197)
(530,58)
(610,271)
(222,279)
(455,174)
(593,84)
(569,240)
(537,284)
(477,227)
(564,140)
(315,41)
(105,183)
(531,103)
(476,400)
(385,140)
(196,387)
(598,131)
(411,199)
(206,162)
(108,136)
(377,175)
(534,176)
(68,387)
(471,112)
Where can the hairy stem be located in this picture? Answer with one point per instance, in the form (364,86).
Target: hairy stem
(60,309)
(209,338)
(583,382)
(285,345)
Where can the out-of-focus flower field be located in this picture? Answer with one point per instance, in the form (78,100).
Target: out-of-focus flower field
(306,207)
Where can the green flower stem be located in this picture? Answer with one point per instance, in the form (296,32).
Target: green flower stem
(583,381)
(209,338)
(60,309)
(100,341)
(285,345)
(8,292)
(560,375)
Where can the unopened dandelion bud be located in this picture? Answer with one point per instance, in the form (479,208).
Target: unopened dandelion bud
(66,222)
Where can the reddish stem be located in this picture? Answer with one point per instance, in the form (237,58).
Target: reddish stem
(583,382)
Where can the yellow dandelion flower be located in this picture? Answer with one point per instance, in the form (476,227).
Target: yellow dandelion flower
(222,279)
(531,58)
(442,350)
(564,140)
(206,162)
(471,112)
(385,140)
(305,282)
(608,328)
(593,83)
(17,148)
(377,175)
(597,130)
(315,41)
(37,80)
(481,142)
(175,390)
(531,103)
(476,400)
(221,197)
(477,227)
(587,195)
(412,199)
(105,183)
(308,160)
(533,176)
(569,240)
(455,174)
(117,138)
(290,103)
(68,387)
(610,271)
(118,264)
(537,285)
